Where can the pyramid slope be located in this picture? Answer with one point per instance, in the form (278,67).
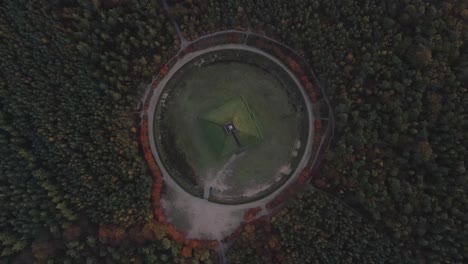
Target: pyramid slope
(214,135)
(230,147)
(244,122)
(236,111)
(247,139)
(223,114)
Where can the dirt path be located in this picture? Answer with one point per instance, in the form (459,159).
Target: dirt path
(183,41)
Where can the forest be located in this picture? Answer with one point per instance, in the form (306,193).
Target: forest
(74,185)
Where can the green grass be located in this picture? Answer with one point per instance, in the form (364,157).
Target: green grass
(205,99)
(235,110)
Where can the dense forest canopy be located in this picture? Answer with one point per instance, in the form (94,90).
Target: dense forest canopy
(74,185)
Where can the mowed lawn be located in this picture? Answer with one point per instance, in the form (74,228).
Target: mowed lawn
(205,88)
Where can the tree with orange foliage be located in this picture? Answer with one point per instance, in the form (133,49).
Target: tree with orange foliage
(186,252)
(293,65)
(195,243)
(176,235)
(164,71)
(112,234)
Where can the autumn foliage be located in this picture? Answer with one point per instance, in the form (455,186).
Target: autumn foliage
(113,234)
(251,213)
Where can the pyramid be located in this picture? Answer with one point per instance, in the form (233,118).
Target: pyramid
(230,128)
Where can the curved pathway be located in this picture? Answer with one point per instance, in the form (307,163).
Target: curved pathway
(155,97)
(204,219)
